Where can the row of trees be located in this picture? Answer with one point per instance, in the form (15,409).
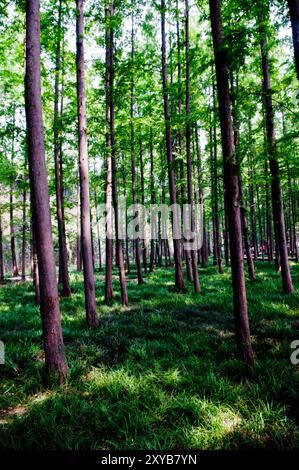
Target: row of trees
(154,76)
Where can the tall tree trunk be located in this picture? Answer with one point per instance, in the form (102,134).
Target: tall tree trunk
(24,227)
(179,279)
(111,147)
(152,186)
(144,251)
(89,283)
(294,15)
(1,251)
(244,347)
(203,250)
(277,204)
(214,189)
(98,230)
(188,152)
(133,156)
(14,262)
(78,239)
(63,255)
(52,334)
(244,222)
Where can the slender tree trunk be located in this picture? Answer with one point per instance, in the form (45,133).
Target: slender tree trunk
(89,283)
(63,255)
(78,240)
(24,227)
(226,232)
(144,251)
(1,251)
(111,148)
(294,16)
(277,204)
(188,152)
(14,262)
(244,222)
(179,279)
(133,156)
(52,334)
(217,248)
(98,230)
(152,186)
(232,190)
(203,250)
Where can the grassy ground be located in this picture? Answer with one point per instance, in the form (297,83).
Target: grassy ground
(161,374)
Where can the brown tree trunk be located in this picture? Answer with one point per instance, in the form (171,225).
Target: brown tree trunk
(1,251)
(89,284)
(144,251)
(78,238)
(294,15)
(244,222)
(188,151)
(152,186)
(244,347)
(52,334)
(63,255)
(277,204)
(98,231)
(111,146)
(133,156)
(179,279)
(24,227)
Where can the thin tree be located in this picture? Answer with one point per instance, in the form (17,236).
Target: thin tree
(1,251)
(242,329)
(89,283)
(188,151)
(276,193)
(49,304)
(111,145)
(179,278)
(294,16)
(63,256)
(133,155)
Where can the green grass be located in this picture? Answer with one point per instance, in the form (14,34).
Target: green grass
(161,374)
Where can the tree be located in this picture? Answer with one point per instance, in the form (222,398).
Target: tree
(49,304)
(89,285)
(294,16)
(242,329)
(276,193)
(179,279)
(63,257)
(188,151)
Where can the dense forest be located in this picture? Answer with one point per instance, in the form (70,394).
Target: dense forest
(149,224)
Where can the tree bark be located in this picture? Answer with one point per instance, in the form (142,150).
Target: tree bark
(277,203)
(63,255)
(24,227)
(179,279)
(1,251)
(89,283)
(52,334)
(188,151)
(133,157)
(111,148)
(243,339)
(294,16)
(14,262)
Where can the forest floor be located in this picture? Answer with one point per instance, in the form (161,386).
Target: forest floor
(161,374)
